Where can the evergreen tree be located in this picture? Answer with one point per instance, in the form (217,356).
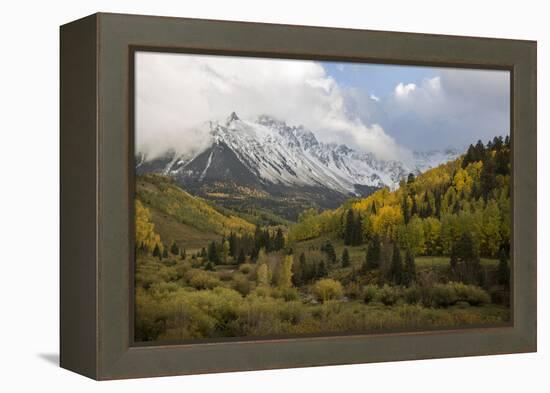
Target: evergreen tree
(258,238)
(357,233)
(456,207)
(183,254)
(209,266)
(414,208)
(301,275)
(213,255)
(405,209)
(497,143)
(469,157)
(425,203)
(156,251)
(267,241)
(437,200)
(254,253)
(487,177)
(298,272)
(409,269)
(345,258)
(373,256)
(396,268)
(454,259)
(174,249)
(410,178)
(502,162)
(373,209)
(349,228)
(465,259)
(503,269)
(165,252)
(479,151)
(328,249)
(476,193)
(242,258)
(321,270)
(428,212)
(233,240)
(279,242)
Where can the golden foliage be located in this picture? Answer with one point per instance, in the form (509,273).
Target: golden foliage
(159,192)
(146,236)
(386,221)
(285,276)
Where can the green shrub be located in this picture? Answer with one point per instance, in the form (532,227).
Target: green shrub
(353,291)
(241,284)
(472,294)
(287,294)
(182,268)
(388,295)
(442,295)
(292,311)
(262,291)
(199,279)
(370,293)
(414,294)
(327,289)
(246,268)
(161,289)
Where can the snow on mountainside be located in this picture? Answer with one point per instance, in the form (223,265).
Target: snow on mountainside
(268,152)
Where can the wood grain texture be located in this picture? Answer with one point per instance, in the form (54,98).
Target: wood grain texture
(78,264)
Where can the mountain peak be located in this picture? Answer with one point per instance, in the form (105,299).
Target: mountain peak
(267,151)
(270,121)
(232,117)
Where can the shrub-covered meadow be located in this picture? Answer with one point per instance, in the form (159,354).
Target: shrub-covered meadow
(432,254)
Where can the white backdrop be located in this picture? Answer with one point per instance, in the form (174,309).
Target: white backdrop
(29,195)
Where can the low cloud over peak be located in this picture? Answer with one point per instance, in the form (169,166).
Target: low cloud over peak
(177,93)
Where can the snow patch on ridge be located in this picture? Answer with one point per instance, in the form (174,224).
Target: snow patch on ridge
(292,156)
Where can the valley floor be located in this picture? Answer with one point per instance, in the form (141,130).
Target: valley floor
(179,300)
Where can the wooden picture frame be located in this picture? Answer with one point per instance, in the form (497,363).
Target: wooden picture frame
(97,190)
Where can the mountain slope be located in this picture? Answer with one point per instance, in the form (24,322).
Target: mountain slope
(270,159)
(167,200)
(430,213)
(268,151)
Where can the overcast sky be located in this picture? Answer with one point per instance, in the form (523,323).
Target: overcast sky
(385,109)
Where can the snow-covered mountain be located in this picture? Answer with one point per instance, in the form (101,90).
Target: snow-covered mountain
(267,153)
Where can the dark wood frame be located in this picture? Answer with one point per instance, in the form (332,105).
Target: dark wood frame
(97,191)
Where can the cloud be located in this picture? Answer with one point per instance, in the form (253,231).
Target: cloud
(452,109)
(177,94)
(402,90)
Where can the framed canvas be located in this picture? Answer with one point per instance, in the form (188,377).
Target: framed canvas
(243,196)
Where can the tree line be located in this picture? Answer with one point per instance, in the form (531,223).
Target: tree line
(239,247)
